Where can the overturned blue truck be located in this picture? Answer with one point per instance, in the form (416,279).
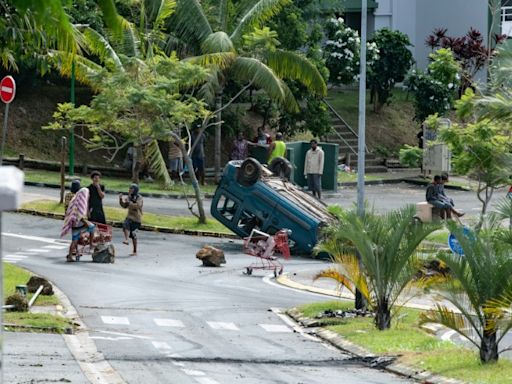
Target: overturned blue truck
(251,196)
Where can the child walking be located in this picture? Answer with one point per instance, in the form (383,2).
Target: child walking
(134,217)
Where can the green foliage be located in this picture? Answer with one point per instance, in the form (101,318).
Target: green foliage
(434,90)
(411,156)
(375,254)
(291,27)
(342,50)
(391,66)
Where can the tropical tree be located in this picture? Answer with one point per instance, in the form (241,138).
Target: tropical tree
(239,48)
(375,255)
(480,290)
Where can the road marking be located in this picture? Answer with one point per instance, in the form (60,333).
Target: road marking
(55,246)
(110,338)
(178,364)
(161,345)
(115,320)
(193,372)
(296,327)
(448,335)
(222,325)
(206,380)
(169,323)
(15,257)
(124,334)
(36,250)
(36,238)
(275,328)
(268,280)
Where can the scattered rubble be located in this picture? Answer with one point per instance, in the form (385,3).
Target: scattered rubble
(348,313)
(211,256)
(19,302)
(35,282)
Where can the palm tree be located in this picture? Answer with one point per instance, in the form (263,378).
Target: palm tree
(375,255)
(256,62)
(481,291)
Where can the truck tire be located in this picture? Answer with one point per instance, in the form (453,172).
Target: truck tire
(249,172)
(281,167)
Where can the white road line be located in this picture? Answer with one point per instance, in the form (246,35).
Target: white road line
(275,328)
(37,250)
(36,238)
(296,327)
(169,323)
(222,325)
(124,334)
(178,364)
(161,346)
(110,338)
(115,320)
(268,280)
(11,261)
(206,380)
(193,372)
(15,257)
(55,246)
(448,335)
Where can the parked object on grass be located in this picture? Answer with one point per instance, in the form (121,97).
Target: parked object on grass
(250,197)
(211,256)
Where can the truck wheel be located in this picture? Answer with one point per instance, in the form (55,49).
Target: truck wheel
(249,172)
(281,167)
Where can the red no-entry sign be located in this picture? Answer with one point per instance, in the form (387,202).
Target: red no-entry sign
(7,89)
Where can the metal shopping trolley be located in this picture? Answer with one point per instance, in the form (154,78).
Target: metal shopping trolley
(263,246)
(101,237)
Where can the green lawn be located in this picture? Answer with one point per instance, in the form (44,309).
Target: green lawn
(345,177)
(414,346)
(119,214)
(116,183)
(13,276)
(440,236)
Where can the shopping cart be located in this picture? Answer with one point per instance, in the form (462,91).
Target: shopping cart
(101,236)
(263,246)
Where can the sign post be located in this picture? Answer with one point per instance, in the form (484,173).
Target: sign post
(7,93)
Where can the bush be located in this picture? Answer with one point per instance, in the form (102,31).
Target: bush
(411,156)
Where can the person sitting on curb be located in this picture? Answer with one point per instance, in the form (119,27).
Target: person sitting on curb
(445,198)
(433,197)
(133,201)
(76,221)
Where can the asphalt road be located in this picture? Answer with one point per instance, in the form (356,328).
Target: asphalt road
(382,197)
(160,317)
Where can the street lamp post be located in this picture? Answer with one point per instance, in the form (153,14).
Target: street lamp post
(72,130)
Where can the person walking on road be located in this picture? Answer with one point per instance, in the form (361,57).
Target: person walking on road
(75,187)
(277,148)
(314,168)
(133,201)
(96,195)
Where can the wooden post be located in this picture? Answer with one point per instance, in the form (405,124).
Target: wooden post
(21,161)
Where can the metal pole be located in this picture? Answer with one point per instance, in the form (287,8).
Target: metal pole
(72,130)
(4,133)
(360,302)
(2,299)
(62,167)
(361,143)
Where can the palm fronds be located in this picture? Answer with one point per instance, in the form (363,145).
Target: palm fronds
(100,46)
(217,42)
(190,22)
(260,12)
(157,163)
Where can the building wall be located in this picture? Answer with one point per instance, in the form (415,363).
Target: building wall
(418,18)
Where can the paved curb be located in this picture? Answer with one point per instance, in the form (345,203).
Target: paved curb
(112,192)
(447,186)
(341,343)
(149,228)
(371,182)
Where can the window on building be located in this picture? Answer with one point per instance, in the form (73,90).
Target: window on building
(506,19)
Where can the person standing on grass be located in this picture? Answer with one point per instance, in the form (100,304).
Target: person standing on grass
(133,201)
(240,147)
(314,168)
(96,195)
(197,154)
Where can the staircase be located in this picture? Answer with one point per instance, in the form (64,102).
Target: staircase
(345,136)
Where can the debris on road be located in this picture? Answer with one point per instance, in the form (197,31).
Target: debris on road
(211,256)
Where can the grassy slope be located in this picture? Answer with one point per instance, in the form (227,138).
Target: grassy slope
(413,345)
(119,214)
(391,127)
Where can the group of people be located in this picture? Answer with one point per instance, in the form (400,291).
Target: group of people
(83,207)
(436,196)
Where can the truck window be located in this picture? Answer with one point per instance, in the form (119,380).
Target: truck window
(248,221)
(227,207)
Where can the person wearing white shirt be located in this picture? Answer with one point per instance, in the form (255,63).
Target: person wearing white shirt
(314,168)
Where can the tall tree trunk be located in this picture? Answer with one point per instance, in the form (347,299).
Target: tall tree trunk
(383,315)
(218,138)
(489,347)
(193,179)
(135,164)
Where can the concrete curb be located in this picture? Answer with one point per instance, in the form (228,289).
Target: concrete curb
(447,186)
(344,345)
(91,362)
(401,180)
(112,192)
(149,228)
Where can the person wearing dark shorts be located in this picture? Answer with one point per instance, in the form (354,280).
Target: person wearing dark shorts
(133,201)
(96,195)
(314,168)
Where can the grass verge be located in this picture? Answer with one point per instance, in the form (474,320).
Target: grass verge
(27,321)
(440,236)
(117,184)
(413,346)
(119,214)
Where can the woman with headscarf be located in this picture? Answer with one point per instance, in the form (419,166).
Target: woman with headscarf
(132,201)
(76,221)
(75,187)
